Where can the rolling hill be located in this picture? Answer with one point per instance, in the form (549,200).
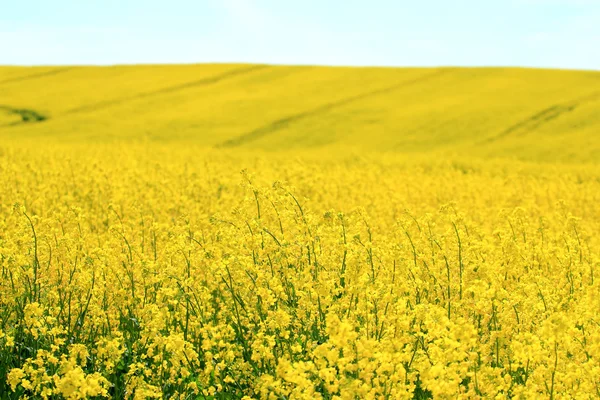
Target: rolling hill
(529,114)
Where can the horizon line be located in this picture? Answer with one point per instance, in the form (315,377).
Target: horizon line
(275,64)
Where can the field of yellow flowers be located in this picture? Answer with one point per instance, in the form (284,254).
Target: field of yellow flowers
(531,114)
(149,271)
(252,266)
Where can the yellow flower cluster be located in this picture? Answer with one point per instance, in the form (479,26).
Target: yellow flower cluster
(148,271)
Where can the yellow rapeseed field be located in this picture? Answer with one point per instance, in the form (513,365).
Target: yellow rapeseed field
(258,232)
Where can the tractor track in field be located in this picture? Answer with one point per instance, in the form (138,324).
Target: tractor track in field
(166,90)
(286,121)
(28,116)
(542,117)
(36,75)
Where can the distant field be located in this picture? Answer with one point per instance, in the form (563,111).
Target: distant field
(489,112)
(258,232)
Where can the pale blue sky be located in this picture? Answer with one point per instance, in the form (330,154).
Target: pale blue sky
(539,33)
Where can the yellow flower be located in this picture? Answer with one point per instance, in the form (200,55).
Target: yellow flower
(14,378)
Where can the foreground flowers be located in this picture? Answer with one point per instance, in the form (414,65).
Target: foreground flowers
(148,272)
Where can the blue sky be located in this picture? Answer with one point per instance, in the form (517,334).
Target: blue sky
(537,33)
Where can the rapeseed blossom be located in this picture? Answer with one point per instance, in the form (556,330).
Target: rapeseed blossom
(127,276)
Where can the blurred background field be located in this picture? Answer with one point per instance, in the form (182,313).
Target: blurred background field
(529,114)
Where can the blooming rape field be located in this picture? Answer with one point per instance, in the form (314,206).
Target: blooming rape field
(147,267)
